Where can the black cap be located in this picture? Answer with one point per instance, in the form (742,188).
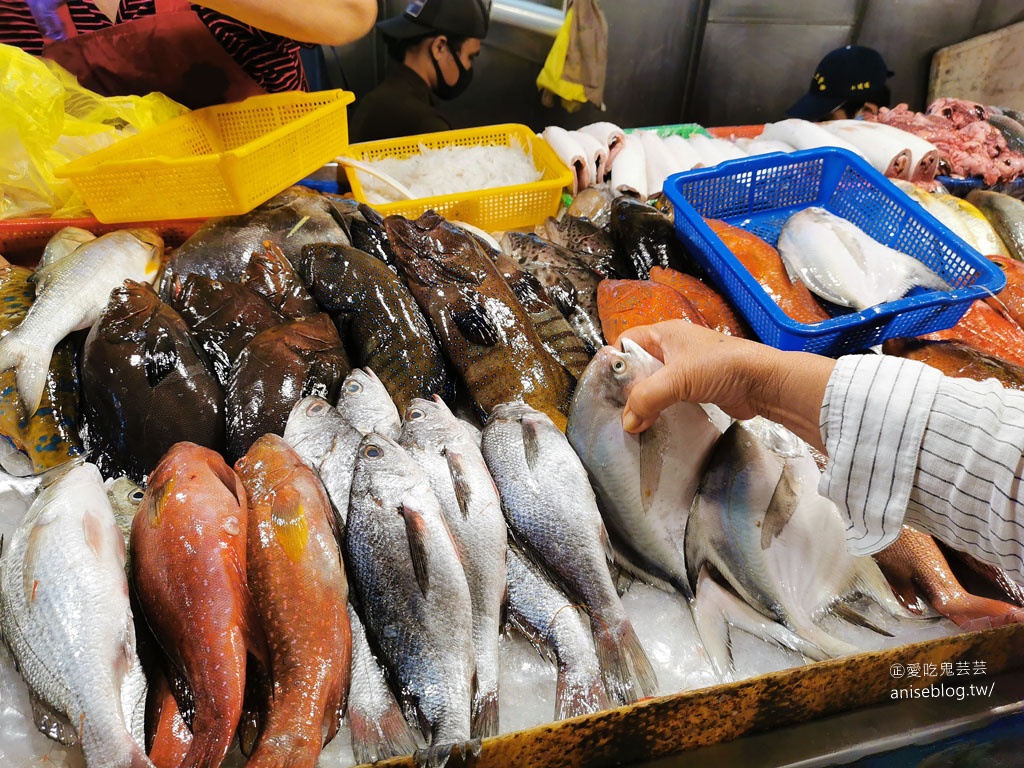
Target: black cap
(845,74)
(461,18)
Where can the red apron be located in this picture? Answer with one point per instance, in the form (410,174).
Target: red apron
(171,51)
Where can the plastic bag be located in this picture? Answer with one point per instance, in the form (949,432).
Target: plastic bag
(575,68)
(46,120)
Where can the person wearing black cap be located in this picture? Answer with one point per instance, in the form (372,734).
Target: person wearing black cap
(847,82)
(432,46)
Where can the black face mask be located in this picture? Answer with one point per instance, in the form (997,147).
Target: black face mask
(445,91)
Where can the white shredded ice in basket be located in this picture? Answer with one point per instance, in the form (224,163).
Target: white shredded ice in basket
(450,170)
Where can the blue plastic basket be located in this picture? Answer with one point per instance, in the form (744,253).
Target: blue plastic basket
(760,193)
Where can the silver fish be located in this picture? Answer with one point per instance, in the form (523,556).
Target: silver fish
(75,293)
(65,616)
(759,522)
(124,495)
(364,402)
(65,242)
(543,613)
(645,483)
(449,455)
(415,600)
(552,513)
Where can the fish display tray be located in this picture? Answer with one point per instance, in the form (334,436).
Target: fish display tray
(759,194)
(494,209)
(216,161)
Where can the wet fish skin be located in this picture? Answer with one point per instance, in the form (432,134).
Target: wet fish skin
(65,616)
(74,295)
(222,247)
(644,237)
(141,370)
(450,456)
(645,483)
(594,204)
(556,334)
(65,242)
(189,569)
(484,331)
(293,562)
(364,402)
(625,304)
(592,244)
(50,436)
(407,577)
(222,317)
(552,623)
(713,308)
(379,320)
(277,367)
(1006,215)
(957,358)
(312,427)
(272,276)
(552,513)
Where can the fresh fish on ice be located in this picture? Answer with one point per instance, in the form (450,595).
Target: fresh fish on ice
(552,513)
(72,298)
(66,618)
(839,262)
(450,457)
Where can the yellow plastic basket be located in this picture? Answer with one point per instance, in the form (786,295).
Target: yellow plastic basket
(498,208)
(216,161)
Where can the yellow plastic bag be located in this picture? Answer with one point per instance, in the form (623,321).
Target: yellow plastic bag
(46,120)
(575,68)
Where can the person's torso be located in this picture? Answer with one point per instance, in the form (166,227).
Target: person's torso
(270,60)
(402,105)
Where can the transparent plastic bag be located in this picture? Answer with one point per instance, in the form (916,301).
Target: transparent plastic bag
(46,120)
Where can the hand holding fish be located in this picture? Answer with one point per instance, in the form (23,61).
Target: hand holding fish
(744,378)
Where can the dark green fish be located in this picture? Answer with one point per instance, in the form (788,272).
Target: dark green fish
(50,436)
(380,323)
(645,237)
(277,368)
(272,276)
(592,244)
(222,316)
(146,385)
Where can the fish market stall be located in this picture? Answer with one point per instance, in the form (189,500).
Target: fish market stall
(338,479)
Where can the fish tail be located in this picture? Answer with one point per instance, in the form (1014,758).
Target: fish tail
(624,663)
(485,714)
(289,752)
(710,609)
(578,694)
(388,736)
(437,755)
(138,759)
(31,363)
(207,752)
(871,583)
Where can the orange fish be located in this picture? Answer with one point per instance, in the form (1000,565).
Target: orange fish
(711,305)
(625,304)
(915,563)
(763,262)
(170,736)
(958,358)
(988,330)
(298,583)
(1010,300)
(189,566)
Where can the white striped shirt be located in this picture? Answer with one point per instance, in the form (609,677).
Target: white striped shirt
(907,444)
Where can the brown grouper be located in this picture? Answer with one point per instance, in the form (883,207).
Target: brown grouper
(189,568)
(298,583)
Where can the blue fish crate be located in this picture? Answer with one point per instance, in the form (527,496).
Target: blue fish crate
(760,193)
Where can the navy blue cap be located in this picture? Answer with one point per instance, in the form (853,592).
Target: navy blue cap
(461,18)
(845,74)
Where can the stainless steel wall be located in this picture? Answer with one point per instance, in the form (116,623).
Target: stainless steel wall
(716,62)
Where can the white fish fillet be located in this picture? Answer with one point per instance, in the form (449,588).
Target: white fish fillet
(629,173)
(597,154)
(886,138)
(608,134)
(804,134)
(685,156)
(839,262)
(572,153)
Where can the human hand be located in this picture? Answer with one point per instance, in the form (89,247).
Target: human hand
(701,366)
(45,14)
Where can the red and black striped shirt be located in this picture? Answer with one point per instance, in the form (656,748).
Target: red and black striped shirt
(271,60)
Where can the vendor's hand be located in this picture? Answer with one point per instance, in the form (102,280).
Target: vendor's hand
(45,14)
(744,378)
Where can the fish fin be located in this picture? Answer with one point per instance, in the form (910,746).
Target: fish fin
(782,506)
(651,459)
(31,362)
(485,714)
(437,755)
(52,723)
(871,583)
(161,356)
(710,608)
(627,672)
(456,469)
(417,534)
(382,736)
(531,442)
(578,694)
(476,324)
(846,611)
(563,296)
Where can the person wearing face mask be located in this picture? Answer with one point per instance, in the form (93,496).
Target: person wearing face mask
(432,47)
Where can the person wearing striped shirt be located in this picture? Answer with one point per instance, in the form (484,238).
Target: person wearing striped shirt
(905,443)
(198,54)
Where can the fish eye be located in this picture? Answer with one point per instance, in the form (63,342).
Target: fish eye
(137,495)
(619,366)
(316,408)
(354,387)
(372,452)
(415,413)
